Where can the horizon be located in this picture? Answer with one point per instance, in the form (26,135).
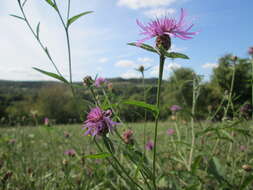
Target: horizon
(101,48)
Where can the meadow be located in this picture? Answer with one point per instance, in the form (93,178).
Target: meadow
(61,157)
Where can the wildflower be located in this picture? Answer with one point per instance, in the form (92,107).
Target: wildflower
(87,81)
(100,81)
(247,167)
(66,134)
(164,28)
(246,108)
(99,122)
(7,176)
(243,148)
(46,121)
(175,108)
(70,152)
(170,131)
(128,136)
(250,51)
(12,141)
(150,145)
(110,86)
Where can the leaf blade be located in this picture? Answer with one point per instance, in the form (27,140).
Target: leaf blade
(74,18)
(144,46)
(53,75)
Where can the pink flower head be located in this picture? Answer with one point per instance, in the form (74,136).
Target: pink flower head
(99,122)
(12,141)
(100,81)
(243,148)
(170,131)
(250,51)
(150,145)
(175,108)
(128,136)
(46,121)
(167,26)
(70,152)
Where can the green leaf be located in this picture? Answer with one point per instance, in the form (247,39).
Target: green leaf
(247,181)
(21,18)
(38,31)
(23,4)
(215,168)
(53,75)
(175,55)
(142,105)
(51,4)
(144,46)
(109,145)
(74,18)
(98,156)
(196,164)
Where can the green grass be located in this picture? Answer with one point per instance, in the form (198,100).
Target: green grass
(37,159)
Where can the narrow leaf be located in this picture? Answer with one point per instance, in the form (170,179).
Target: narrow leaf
(23,4)
(142,104)
(53,75)
(175,55)
(247,181)
(144,46)
(38,30)
(51,4)
(21,18)
(74,18)
(98,156)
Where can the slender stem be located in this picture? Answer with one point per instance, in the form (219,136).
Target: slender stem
(162,59)
(68,40)
(231,91)
(38,40)
(194,97)
(115,167)
(252,84)
(122,168)
(145,115)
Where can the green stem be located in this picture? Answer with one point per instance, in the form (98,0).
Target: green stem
(252,84)
(38,40)
(145,115)
(161,65)
(68,41)
(122,168)
(115,167)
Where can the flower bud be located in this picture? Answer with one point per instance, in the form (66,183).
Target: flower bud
(247,167)
(163,41)
(87,81)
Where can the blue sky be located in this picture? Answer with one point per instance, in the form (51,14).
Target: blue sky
(99,40)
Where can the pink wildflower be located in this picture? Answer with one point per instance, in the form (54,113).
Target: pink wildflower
(167,27)
(170,131)
(100,81)
(46,121)
(128,137)
(70,152)
(99,122)
(250,51)
(150,145)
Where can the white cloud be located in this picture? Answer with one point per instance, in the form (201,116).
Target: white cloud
(145,60)
(125,63)
(103,60)
(210,65)
(167,68)
(130,74)
(136,4)
(177,49)
(159,12)
(19,50)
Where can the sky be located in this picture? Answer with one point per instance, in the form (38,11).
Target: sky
(99,40)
